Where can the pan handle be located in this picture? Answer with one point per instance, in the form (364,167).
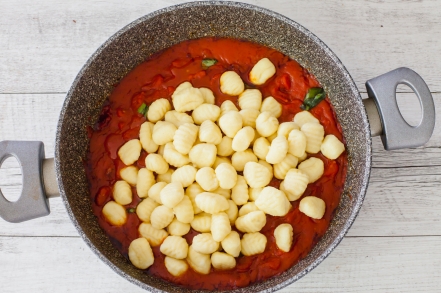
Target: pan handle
(39,182)
(385,117)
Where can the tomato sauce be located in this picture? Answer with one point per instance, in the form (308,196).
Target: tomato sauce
(157,77)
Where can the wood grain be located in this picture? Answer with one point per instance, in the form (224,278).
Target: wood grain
(52,39)
(396,264)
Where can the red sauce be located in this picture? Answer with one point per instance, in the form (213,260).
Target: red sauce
(157,78)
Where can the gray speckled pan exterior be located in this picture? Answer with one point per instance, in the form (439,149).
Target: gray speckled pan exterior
(166,27)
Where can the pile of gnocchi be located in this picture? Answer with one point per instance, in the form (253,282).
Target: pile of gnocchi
(192,175)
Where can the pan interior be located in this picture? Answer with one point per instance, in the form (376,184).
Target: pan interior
(164,28)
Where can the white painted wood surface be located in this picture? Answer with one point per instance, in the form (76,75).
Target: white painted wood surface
(393,246)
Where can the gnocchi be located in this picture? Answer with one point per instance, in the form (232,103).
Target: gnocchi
(313,167)
(273,202)
(154,236)
(230,123)
(224,148)
(206,112)
(278,150)
(222,261)
(231,244)
(141,254)
(263,70)
(282,168)
(163,132)
(253,243)
(249,117)
(227,175)
(172,194)
(240,159)
(261,148)
(192,191)
(251,222)
(206,178)
(145,137)
(250,99)
(156,163)
(184,210)
(166,177)
(248,208)
(155,191)
(161,217)
(204,243)
(129,153)
(184,175)
(211,203)
(122,192)
(145,181)
(257,175)
(285,128)
(232,211)
(145,208)
(177,118)
(243,139)
(314,133)
(158,109)
(174,246)
(305,117)
(220,226)
(271,105)
(209,132)
(129,174)
(266,124)
(187,99)
(207,94)
(228,106)
(296,143)
(173,157)
(231,83)
(176,267)
(201,222)
(331,147)
(313,207)
(199,262)
(114,213)
(178,228)
(203,155)
(283,234)
(185,137)
(239,193)
(295,184)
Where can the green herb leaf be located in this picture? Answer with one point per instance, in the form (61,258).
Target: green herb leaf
(314,96)
(131,210)
(143,109)
(208,62)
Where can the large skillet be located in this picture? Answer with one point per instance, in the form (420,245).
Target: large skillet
(161,29)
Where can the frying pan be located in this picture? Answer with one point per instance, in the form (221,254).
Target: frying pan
(164,28)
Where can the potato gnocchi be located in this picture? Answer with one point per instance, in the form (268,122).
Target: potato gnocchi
(191,181)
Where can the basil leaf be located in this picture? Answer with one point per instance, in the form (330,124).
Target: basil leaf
(313,97)
(208,62)
(143,109)
(131,210)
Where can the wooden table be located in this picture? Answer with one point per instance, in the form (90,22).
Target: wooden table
(393,246)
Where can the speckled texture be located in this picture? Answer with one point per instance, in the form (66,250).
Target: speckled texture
(161,29)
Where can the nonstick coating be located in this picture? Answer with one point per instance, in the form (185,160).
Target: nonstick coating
(164,28)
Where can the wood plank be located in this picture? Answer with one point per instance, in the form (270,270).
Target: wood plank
(357,265)
(43,44)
